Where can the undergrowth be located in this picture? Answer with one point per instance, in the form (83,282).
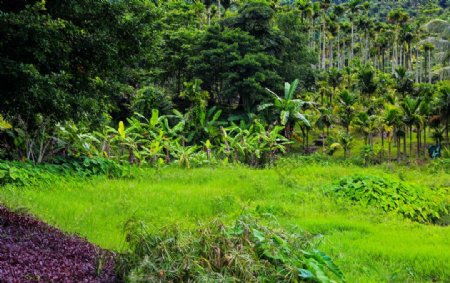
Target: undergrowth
(417,204)
(215,252)
(29,174)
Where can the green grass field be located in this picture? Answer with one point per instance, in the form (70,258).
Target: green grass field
(367,245)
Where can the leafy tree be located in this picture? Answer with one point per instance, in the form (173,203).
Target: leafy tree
(234,68)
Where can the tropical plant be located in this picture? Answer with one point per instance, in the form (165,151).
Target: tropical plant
(290,109)
(415,203)
(249,251)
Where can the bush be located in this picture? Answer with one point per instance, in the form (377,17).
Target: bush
(91,166)
(26,174)
(411,202)
(149,98)
(439,165)
(244,252)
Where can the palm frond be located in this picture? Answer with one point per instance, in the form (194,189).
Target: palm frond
(439,26)
(437,42)
(443,72)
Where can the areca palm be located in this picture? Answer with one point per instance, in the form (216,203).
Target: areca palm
(442,103)
(393,122)
(367,124)
(397,17)
(367,81)
(290,109)
(441,40)
(334,77)
(411,116)
(346,110)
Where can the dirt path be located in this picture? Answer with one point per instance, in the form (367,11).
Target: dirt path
(32,251)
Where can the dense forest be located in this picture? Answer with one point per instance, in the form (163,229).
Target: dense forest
(374,69)
(224,141)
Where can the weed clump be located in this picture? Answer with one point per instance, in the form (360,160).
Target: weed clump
(244,252)
(415,203)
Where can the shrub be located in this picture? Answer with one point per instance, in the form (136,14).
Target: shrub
(91,166)
(25,174)
(411,202)
(244,252)
(439,165)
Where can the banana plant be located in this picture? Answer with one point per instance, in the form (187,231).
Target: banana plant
(183,154)
(290,109)
(273,142)
(76,140)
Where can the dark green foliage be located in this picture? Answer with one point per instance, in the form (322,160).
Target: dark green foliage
(91,166)
(411,202)
(28,174)
(69,60)
(234,69)
(244,252)
(439,165)
(151,97)
(295,56)
(25,174)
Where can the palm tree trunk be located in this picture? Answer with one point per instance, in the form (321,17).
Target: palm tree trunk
(429,66)
(446,128)
(404,142)
(323,140)
(425,138)
(419,131)
(389,150)
(353,42)
(410,140)
(417,66)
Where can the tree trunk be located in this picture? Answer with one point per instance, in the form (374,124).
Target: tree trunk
(353,42)
(404,142)
(419,131)
(410,140)
(429,66)
(425,139)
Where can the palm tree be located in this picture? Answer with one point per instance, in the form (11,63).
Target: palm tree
(346,110)
(306,9)
(441,41)
(427,48)
(442,105)
(404,81)
(354,7)
(397,17)
(411,116)
(325,121)
(290,109)
(334,77)
(368,125)
(366,81)
(425,91)
(393,120)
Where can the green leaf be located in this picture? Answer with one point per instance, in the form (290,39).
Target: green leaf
(121,130)
(284,116)
(154,118)
(258,235)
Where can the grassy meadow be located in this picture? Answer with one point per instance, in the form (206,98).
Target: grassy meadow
(369,246)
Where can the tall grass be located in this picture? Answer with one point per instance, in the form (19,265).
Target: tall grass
(368,245)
